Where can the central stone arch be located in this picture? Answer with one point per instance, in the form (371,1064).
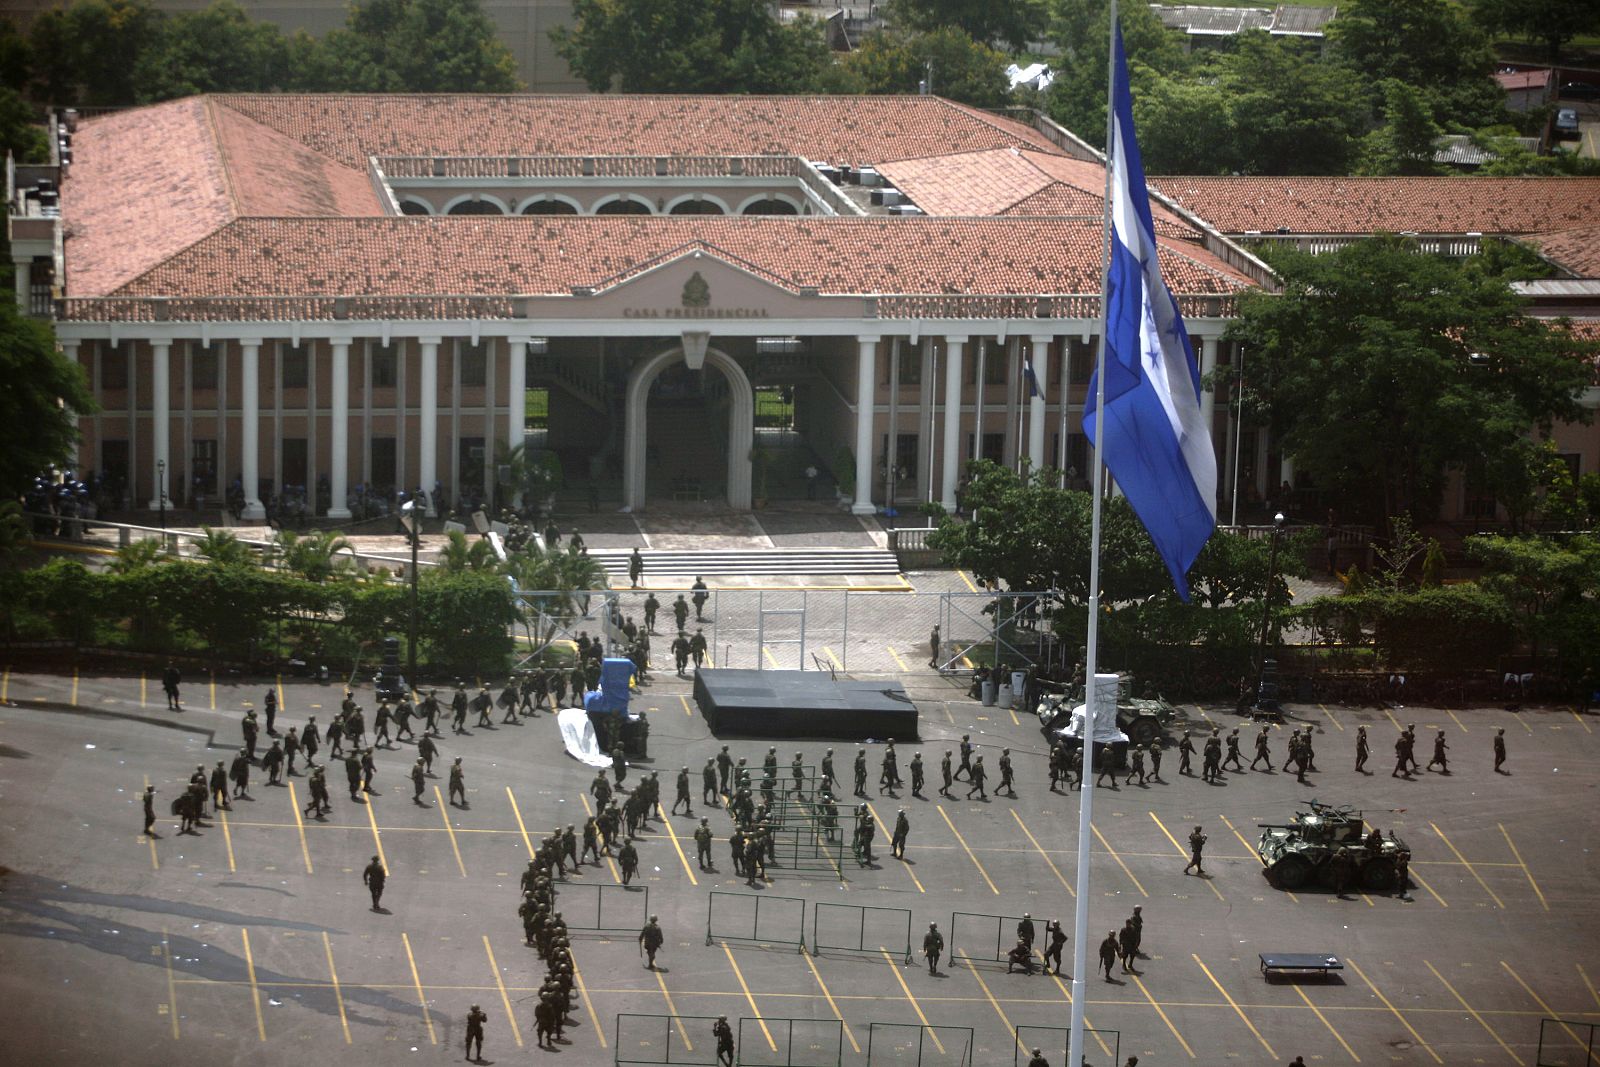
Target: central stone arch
(741,424)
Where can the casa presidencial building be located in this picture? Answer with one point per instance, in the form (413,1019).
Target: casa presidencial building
(278,289)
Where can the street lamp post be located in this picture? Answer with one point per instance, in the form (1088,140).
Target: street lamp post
(161,490)
(411,520)
(1267,678)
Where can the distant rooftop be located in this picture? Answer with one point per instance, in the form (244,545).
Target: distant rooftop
(1286,20)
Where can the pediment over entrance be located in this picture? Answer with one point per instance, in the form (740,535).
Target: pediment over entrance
(697,288)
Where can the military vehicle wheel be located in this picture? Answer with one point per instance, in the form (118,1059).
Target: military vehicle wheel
(1291,872)
(1378,875)
(1143,730)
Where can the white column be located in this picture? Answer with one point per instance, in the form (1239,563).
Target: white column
(952,421)
(428,439)
(517,394)
(250,426)
(866,394)
(339,421)
(161,416)
(69,350)
(1039,357)
(22,275)
(1208,394)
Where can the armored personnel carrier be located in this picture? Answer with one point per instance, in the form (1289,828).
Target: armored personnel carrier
(1142,719)
(1298,853)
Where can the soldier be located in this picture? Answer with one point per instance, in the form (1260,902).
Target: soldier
(1402,871)
(352,774)
(272,763)
(335,734)
(419,778)
(569,845)
(1262,751)
(150,803)
(1057,939)
(933,648)
(702,844)
(1075,770)
(868,830)
(1038,1060)
(651,940)
(680,613)
(1185,754)
(889,770)
(270,704)
(380,726)
(1411,745)
(651,606)
(508,699)
(458,709)
(320,802)
(797,775)
(1155,761)
(1233,751)
(475,1020)
(219,788)
(861,772)
(1020,956)
(1006,781)
(635,568)
(680,653)
(724,771)
(369,768)
(251,731)
(683,794)
(917,775)
(1127,947)
(1401,758)
(240,773)
(1107,768)
(1211,769)
(481,704)
(902,830)
(708,783)
(1025,930)
(427,750)
(1341,866)
(458,782)
(699,595)
(355,727)
(1197,844)
(933,947)
(601,789)
(628,860)
(308,738)
(1058,764)
(1136,920)
(1500,751)
(373,877)
(169,685)
(619,767)
(291,747)
(1108,952)
(1308,752)
(1135,764)
(591,840)
(1439,756)
(966,756)
(724,1035)
(975,780)
(946,776)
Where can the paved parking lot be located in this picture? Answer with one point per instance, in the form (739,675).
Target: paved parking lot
(253,942)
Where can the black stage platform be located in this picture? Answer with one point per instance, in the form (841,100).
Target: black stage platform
(803,704)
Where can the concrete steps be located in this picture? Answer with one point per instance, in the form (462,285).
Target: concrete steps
(754,562)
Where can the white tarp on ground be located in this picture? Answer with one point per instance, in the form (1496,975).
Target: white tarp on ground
(577,733)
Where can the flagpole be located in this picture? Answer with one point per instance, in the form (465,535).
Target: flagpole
(1091,680)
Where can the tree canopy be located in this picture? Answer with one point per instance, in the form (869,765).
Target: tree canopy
(1015,22)
(1378,370)
(1551,23)
(39,407)
(963,69)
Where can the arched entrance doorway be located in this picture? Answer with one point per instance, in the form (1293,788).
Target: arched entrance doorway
(740,426)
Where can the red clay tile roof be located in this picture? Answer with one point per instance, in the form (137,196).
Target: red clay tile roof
(834,129)
(271,174)
(480,255)
(1368,205)
(1576,250)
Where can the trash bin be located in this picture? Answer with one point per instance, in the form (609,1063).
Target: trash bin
(1019,686)
(1002,695)
(989,688)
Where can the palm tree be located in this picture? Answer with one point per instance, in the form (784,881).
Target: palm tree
(14,533)
(460,555)
(221,546)
(533,475)
(313,556)
(136,556)
(554,587)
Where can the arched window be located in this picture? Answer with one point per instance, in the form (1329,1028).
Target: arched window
(476,207)
(696,207)
(770,205)
(624,206)
(410,206)
(549,207)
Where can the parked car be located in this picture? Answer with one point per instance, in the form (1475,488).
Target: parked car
(1579,91)
(1567,124)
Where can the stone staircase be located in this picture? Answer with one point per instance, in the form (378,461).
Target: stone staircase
(754,563)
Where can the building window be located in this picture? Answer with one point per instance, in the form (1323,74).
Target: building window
(203,362)
(476,207)
(624,207)
(414,207)
(548,207)
(113,369)
(385,370)
(696,207)
(770,206)
(294,368)
(474,366)
(995,363)
(1082,361)
(910,364)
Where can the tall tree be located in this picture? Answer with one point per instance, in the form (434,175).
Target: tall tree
(1550,22)
(218,49)
(1380,369)
(39,406)
(1081,29)
(88,53)
(672,46)
(1290,113)
(1431,44)
(410,46)
(1015,22)
(1408,138)
(963,69)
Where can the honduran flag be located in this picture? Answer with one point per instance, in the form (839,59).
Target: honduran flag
(1155,444)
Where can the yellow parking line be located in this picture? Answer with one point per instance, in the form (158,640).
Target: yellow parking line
(1235,1006)
(1394,720)
(673,1010)
(338,994)
(444,813)
(1335,722)
(897,658)
(686,709)
(773,660)
(968,850)
(376,839)
(1393,1010)
(172,989)
(1336,1035)
(1107,846)
(583,993)
(255,990)
(5,686)
(283,705)
(826,651)
(1593,992)
(1497,901)
(74,687)
(887,836)
(227,836)
(1181,852)
(143,681)
(1424,884)
(1065,992)
(1457,720)
(970,587)
(294,802)
(1548,1010)
(678,848)
(829,998)
(505,998)
(416,980)
(1138,982)
(1474,1013)
(526,840)
(1005,1021)
(616,875)
(1520,863)
(1071,892)
(1581,721)
(894,969)
(1520,721)
(771,1044)
(213,690)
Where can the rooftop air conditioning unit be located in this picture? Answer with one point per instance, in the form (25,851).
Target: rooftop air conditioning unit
(870,176)
(905,209)
(886,197)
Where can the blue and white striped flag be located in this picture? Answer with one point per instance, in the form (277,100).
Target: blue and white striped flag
(1156,444)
